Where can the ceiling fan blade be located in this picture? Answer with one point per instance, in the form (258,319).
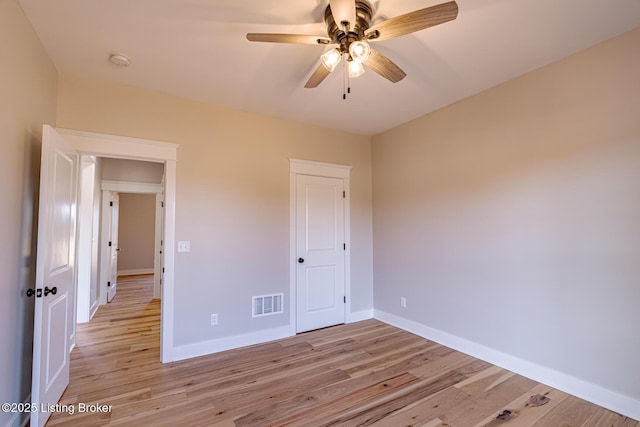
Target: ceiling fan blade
(413,21)
(287,38)
(343,11)
(385,67)
(317,77)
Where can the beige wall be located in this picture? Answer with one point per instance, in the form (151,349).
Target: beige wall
(28,85)
(512,218)
(132,171)
(232,197)
(136,232)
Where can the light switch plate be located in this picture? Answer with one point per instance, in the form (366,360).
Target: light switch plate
(184,246)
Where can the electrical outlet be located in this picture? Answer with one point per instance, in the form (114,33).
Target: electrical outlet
(214,319)
(403,302)
(184,246)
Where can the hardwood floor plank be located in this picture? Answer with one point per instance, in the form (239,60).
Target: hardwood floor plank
(483,403)
(426,410)
(572,412)
(522,411)
(364,373)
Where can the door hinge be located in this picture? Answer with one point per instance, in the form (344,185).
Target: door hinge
(345,299)
(162,204)
(109,243)
(344,246)
(110,203)
(344,194)
(108,284)
(163,269)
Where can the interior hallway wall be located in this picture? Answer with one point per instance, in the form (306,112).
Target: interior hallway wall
(136,233)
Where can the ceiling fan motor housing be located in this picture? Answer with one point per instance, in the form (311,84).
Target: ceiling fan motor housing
(354,32)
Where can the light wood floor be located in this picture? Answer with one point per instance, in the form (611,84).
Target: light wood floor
(366,373)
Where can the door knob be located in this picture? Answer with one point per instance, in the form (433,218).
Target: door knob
(300,260)
(48,291)
(37,293)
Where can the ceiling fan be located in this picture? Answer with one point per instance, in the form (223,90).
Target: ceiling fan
(349,26)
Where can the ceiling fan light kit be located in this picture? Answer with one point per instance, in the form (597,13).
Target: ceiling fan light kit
(348,25)
(360,51)
(356,69)
(331,59)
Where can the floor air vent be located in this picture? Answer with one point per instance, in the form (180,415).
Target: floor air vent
(265,305)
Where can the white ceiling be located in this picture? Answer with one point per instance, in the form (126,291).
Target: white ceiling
(197,49)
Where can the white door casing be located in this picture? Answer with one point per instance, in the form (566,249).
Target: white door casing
(112,246)
(55,273)
(103,145)
(320,245)
(140,188)
(158,267)
(87,239)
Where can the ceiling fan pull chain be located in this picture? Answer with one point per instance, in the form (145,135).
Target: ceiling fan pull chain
(345,77)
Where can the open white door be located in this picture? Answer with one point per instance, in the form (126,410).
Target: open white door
(158,261)
(320,245)
(53,316)
(112,285)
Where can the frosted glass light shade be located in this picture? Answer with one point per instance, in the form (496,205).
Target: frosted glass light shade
(359,51)
(331,59)
(355,69)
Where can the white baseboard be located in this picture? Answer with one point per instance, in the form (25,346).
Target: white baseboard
(590,392)
(228,343)
(15,420)
(93,309)
(358,316)
(135,272)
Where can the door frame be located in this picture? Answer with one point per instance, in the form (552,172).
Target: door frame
(87,240)
(139,188)
(327,170)
(103,145)
(106,233)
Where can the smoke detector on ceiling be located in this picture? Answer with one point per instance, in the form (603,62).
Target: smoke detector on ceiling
(120,60)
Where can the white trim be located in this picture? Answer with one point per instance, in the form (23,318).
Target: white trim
(120,147)
(292,254)
(359,316)
(188,351)
(105,254)
(307,167)
(94,309)
(85,236)
(157,246)
(166,315)
(14,421)
(347,240)
(131,187)
(146,188)
(135,272)
(329,170)
(575,386)
(147,150)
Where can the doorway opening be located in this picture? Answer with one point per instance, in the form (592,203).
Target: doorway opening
(97,146)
